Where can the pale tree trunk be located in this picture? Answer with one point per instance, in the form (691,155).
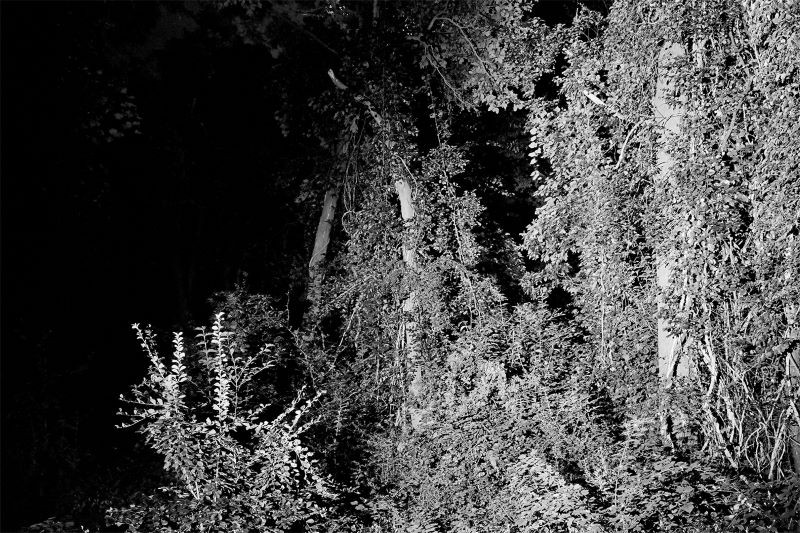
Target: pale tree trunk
(670,364)
(316,265)
(409,326)
(667,115)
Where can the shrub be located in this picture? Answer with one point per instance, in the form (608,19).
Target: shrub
(230,466)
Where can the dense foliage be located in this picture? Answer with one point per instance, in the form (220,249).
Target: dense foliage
(518,226)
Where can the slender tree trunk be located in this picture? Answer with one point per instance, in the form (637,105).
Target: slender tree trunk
(670,363)
(318,256)
(410,342)
(667,115)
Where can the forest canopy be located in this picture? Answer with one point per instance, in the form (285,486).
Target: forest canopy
(413,266)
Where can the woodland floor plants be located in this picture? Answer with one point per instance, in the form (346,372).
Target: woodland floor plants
(231,464)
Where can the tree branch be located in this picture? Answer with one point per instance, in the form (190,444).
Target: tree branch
(594,98)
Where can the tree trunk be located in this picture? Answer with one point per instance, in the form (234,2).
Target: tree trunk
(667,115)
(670,364)
(411,345)
(318,256)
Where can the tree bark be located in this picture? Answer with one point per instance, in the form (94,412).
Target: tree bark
(410,342)
(319,254)
(670,364)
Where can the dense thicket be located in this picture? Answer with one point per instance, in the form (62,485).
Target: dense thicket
(553,285)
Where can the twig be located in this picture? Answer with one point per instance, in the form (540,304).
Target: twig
(339,85)
(349,322)
(432,61)
(469,42)
(627,139)
(309,34)
(725,444)
(773,458)
(594,98)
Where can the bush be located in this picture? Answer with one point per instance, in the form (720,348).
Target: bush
(231,467)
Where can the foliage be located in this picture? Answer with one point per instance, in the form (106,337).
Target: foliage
(487,54)
(452,407)
(563,399)
(232,464)
(590,408)
(605,211)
